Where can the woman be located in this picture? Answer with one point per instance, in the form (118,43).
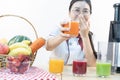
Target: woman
(65,45)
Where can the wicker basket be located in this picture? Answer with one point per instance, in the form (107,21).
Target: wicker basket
(3,58)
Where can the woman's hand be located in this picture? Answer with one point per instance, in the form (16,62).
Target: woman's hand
(63,29)
(84,26)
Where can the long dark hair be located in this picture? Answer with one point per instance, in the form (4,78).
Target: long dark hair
(87,1)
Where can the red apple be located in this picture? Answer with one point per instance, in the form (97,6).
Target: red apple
(4,49)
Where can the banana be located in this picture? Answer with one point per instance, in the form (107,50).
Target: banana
(19,45)
(28,42)
(17,51)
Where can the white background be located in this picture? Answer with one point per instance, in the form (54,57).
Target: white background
(46,14)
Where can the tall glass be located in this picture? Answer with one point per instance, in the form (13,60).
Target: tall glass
(56,66)
(103,65)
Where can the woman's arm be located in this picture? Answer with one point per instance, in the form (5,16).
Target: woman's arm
(54,42)
(87,47)
(89,55)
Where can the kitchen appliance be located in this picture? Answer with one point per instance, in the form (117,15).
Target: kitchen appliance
(114,37)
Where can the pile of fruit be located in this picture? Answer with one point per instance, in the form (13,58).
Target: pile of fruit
(18,51)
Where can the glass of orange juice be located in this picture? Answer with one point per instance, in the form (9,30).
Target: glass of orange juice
(56,65)
(74,28)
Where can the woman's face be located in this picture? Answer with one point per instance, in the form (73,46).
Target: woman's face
(80,8)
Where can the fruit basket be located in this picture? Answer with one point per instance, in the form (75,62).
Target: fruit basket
(13,34)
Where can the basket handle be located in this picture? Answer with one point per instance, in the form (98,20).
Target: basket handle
(7,15)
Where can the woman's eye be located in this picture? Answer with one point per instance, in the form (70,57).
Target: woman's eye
(86,11)
(77,10)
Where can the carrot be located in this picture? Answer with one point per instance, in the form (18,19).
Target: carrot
(37,44)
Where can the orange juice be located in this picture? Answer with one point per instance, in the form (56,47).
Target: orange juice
(74,28)
(56,65)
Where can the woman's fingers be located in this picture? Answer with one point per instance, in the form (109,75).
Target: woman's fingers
(64,29)
(63,23)
(65,35)
(83,23)
(84,26)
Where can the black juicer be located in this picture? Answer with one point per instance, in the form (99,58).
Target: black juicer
(114,36)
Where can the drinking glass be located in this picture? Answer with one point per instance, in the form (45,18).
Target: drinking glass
(79,67)
(74,27)
(56,66)
(103,65)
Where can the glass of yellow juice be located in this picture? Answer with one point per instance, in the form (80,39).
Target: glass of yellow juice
(56,65)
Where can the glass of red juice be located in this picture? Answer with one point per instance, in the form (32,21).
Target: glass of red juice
(79,67)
